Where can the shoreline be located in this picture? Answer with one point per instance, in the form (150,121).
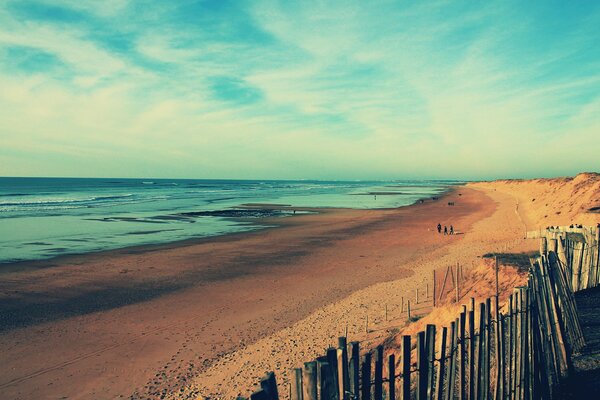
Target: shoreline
(265,281)
(259,225)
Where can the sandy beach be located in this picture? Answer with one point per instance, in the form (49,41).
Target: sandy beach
(207,318)
(145,321)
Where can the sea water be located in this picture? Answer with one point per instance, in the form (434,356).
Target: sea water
(42,218)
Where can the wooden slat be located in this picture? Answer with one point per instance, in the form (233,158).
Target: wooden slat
(260,395)
(296,392)
(391,377)
(269,385)
(442,369)
(472,352)
(462,394)
(354,369)
(422,367)
(365,381)
(430,346)
(309,381)
(452,363)
(378,385)
(406,367)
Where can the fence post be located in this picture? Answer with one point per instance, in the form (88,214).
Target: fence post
(462,351)
(296,392)
(406,367)
(511,347)
(456,283)
(391,377)
(430,348)
(443,284)
(326,382)
(441,371)
(378,390)
(421,367)
(260,395)
(354,377)
(472,352)
(480,351)
(501,377)
(269,385)
(434,287)
(366,377)
(498,352)
(488,325)
(309,381)
(332,361)
(342,363)
(453,351)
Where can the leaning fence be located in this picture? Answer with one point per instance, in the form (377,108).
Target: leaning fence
(518,350)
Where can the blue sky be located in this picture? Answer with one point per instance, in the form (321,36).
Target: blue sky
(294,90)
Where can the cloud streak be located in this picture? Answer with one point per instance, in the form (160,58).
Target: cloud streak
(273,89)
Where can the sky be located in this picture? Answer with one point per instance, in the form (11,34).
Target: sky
(299,89)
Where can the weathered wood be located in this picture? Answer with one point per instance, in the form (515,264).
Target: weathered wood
(260,395)
(501,392)
(406,367)
(365,378)
(453,354)
(391,377)
(269,385)
(442,369)
(456,286)
(434,284)
(327,387)
(430,348)
(422,367)
(309,381)
(408,310)
(518,346)
(343,373)
(462,394)
(444,284)
(378,384)
(497,281)
(543,246)
(577,256)
(513,345)
(472,353)
(486,365)
(480,353)
(531,348)
(332,360)
(354,369)
(296,392)
(499,348)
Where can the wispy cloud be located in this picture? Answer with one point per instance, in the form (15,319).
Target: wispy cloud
(298,89)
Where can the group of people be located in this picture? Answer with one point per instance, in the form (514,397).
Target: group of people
(439,229)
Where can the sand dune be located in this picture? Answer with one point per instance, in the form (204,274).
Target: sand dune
(554,201)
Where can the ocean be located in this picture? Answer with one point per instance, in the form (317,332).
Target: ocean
(42,218)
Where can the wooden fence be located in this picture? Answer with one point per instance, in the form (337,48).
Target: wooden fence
(577,250)
(519,350)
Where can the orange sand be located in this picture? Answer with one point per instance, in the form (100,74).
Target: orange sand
(241,305)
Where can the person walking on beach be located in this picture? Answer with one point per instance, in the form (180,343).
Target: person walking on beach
(445,230)
(451,230)
(439,228)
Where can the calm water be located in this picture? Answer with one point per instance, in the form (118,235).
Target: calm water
(45,217)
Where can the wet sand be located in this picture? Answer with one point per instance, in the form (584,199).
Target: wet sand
(144,322)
